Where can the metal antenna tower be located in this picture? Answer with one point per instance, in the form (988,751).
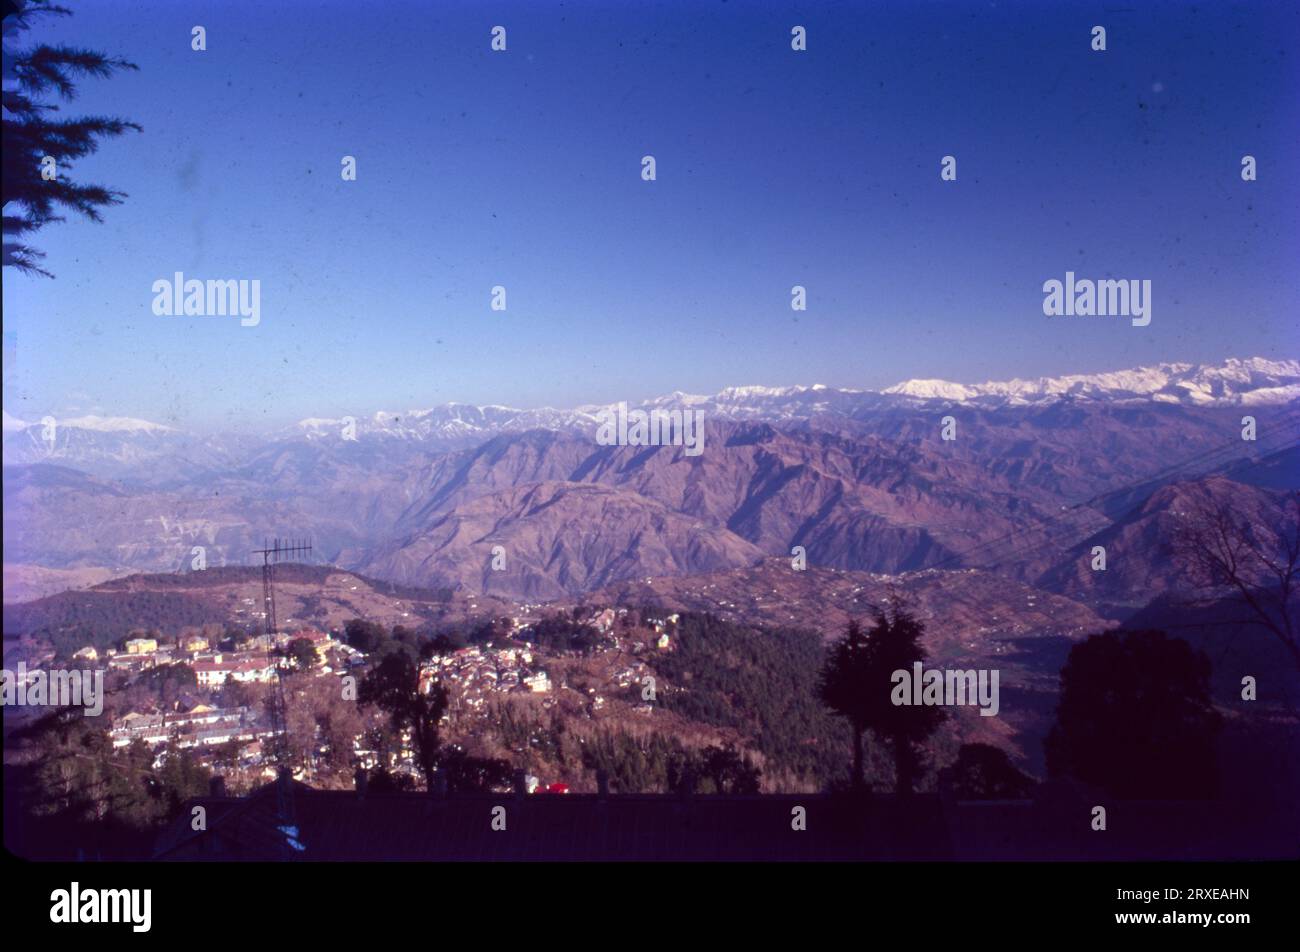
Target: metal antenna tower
(278,550)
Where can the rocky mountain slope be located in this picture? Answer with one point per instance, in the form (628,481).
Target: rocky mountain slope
(862,481)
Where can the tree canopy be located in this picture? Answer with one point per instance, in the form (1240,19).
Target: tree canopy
(40,146)
(856,683)
(1135,717)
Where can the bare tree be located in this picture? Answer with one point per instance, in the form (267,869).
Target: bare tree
(1256,559)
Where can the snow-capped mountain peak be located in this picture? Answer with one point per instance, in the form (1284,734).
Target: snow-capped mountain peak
(932,389)
(96,424)
(125,441)
(1242,381)
(1235,381)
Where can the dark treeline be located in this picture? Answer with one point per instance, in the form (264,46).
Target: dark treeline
(67,789)
(72,620)
(759,682)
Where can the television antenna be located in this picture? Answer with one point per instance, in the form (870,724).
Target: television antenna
(281,550)
(273,552)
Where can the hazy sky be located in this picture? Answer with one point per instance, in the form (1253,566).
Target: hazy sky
(775,168)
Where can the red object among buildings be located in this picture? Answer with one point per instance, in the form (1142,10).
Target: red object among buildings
(554,788)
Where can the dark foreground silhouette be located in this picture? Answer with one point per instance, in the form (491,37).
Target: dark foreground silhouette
(287,821)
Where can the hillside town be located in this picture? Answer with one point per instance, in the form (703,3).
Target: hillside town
(219,711)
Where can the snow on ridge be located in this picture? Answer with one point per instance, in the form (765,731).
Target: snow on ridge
(933,390)
(97,424)
(1268,395)
(757,390)
(1236,380)
(114,424)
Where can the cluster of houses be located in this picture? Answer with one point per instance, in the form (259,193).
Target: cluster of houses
(136,655)
(478,671)
(200,725)
(603,621)
(475,672)
(252,661)
(472,673)
(217,669)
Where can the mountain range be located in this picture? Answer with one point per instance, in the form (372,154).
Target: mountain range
(1236,382)
(527,504)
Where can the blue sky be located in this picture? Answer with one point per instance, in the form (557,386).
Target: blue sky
(775,168)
